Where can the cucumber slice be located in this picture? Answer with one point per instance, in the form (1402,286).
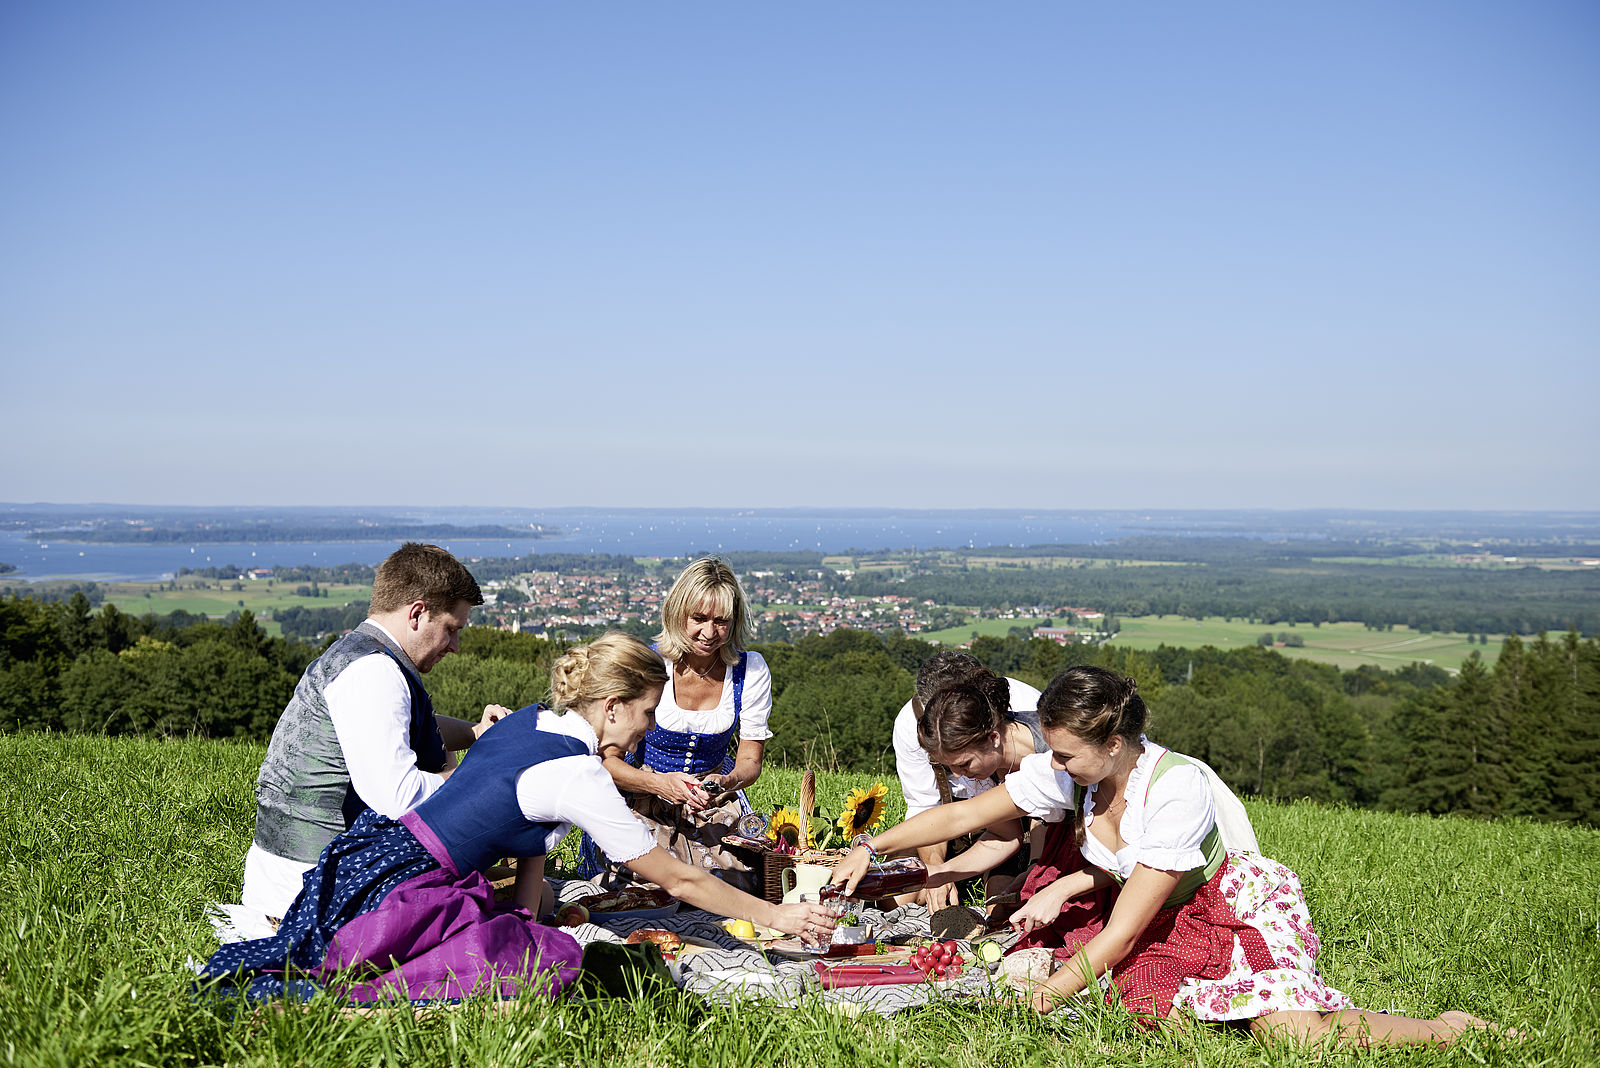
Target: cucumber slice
(989,952)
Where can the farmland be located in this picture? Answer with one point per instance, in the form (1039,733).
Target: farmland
(210,597)
(1344,645)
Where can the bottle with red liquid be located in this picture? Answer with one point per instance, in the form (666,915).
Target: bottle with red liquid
(883,879)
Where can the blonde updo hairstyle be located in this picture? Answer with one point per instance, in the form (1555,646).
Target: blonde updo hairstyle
(613,665)
(706,578)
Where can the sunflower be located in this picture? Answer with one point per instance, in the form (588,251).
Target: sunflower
(785,826)
(863,810)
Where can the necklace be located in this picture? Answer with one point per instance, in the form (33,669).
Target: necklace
(1118,803)
(705,675)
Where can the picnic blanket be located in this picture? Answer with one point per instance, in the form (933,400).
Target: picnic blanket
(735,971)
(729,970)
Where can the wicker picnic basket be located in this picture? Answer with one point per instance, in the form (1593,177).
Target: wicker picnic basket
(775,864)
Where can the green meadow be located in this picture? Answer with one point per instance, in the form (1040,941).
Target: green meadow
(112,848)
(1344,645)
(215,598)
(992,628)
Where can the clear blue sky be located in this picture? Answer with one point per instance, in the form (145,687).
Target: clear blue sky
(1058,255)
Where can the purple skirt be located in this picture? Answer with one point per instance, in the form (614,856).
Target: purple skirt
(385,916)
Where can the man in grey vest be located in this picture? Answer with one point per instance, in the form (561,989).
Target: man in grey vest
(359,731)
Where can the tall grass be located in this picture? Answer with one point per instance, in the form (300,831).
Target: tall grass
(112,848)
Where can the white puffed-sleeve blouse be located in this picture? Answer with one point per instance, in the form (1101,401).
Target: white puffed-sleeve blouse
(1163,826)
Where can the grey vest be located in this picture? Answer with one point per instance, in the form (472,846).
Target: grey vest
(303,794)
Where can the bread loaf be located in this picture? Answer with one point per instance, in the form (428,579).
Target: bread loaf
(667,940)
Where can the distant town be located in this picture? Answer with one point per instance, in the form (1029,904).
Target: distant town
(783,608)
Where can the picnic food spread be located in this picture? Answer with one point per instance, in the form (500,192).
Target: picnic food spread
(628,899)
(669,942)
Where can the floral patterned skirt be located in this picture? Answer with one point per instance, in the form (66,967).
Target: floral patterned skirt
(1242,947)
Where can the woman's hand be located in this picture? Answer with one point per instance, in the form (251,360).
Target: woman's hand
(1040,910)
(812,921)
(1044,999)
(717,785)
(682,790)
(941,876)
(492,714)
(848,872)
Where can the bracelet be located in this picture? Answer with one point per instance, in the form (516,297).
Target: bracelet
(865,842)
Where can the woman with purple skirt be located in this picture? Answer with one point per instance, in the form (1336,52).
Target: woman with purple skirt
(400,909)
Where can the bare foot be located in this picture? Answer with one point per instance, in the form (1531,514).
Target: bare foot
(1465,1021)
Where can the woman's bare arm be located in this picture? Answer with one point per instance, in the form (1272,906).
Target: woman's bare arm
(811,921)
(1142,896)
(992,808)
(746,767)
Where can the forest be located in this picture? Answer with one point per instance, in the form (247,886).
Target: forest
(1270,583)
(1518,737)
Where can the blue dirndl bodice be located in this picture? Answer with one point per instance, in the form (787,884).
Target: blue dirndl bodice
(687,751)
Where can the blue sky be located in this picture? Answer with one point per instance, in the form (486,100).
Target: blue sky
(953,255)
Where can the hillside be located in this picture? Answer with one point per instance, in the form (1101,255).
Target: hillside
(113,847)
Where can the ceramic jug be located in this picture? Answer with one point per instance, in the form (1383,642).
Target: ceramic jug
(802,882)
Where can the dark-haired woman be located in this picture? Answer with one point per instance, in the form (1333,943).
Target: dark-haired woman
(402,909)
(966,730)
(1223,935)
(972,740)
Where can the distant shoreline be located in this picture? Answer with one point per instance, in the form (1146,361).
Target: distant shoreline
(235,536)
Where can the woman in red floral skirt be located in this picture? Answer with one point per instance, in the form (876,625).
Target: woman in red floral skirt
(1134,879)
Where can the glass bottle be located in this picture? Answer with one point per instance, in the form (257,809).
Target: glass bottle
(883,879)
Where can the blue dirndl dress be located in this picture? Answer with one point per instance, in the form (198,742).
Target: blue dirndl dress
(400,909)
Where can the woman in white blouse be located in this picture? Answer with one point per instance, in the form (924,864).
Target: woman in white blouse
(1135,879)
(402,908)
(685,781)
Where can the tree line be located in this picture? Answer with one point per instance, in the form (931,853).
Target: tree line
(1458,600)
(1518,737)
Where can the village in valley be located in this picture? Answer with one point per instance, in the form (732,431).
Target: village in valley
(784,607)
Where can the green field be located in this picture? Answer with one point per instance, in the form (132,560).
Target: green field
(1452,560)
(1345,645)
(112,849)
(137,598)
(992,628)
